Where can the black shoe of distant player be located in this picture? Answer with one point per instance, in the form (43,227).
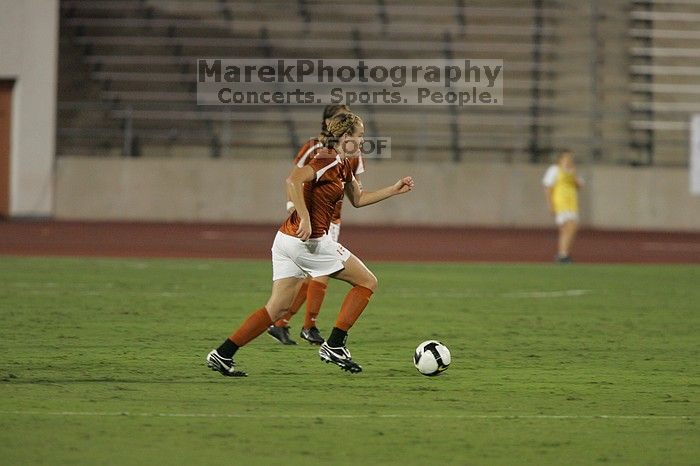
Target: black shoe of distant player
(312,335)
(280,334)
(564,259)
(340,357)
(225,366)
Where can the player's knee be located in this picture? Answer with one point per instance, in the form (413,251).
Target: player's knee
(371,282)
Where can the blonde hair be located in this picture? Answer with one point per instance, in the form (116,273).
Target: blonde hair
(564,153)
(332,110)
(337,127)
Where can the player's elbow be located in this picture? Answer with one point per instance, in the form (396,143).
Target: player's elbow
(361,199)
(291,181)
(353,198)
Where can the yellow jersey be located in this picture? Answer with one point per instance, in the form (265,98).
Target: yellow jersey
(564,189)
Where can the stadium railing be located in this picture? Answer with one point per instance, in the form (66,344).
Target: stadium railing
(131,87)
(665,76)
(549,105)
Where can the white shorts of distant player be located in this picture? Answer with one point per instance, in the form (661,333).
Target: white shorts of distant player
(317,257)
(334,231)
(566,216)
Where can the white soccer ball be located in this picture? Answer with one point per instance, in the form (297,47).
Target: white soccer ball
(432,358)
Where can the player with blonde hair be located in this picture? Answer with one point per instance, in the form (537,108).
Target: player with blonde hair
(313,292)
(303,247)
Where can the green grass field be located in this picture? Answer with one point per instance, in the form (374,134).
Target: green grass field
(103,363)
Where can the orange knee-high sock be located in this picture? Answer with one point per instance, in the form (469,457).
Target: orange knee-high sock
(252,327)
(355,302)
(314,299)
(296,304)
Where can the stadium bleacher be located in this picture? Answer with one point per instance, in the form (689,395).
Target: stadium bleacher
(127,77)
(665,76)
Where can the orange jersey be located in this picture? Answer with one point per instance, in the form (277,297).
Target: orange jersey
(307,152)
(322,193)
(357,166)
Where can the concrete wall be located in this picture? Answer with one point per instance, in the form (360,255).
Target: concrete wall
(28,55)
(252,191)
(643,198)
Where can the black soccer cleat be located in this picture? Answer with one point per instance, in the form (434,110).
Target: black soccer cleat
(225,366)
(312,335)
(563,259)
(280,334)
(340,357)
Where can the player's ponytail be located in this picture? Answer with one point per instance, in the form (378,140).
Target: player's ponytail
(337,127)
(330,111)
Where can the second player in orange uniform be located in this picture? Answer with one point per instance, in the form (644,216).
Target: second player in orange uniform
(313,293)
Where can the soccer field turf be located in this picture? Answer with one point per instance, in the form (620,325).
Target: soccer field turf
(103,363)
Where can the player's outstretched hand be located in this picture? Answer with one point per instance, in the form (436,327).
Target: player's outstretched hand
(404,185)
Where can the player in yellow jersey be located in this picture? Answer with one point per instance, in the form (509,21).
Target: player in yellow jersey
(561,186)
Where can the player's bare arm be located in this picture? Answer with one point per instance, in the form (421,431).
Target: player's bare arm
(290,204)
(295,192)
(360,198)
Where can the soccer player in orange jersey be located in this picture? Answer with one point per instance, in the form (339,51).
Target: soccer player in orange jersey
(313,292)
(303,247)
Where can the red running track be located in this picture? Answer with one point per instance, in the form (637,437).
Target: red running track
(130,239)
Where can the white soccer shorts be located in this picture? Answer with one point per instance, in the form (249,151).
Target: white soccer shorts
(566,216)
(334,231)
(317,257)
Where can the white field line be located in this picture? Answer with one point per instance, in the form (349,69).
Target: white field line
(545,294)
(346,416)
(472,294)
(95,290)
(99,289)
